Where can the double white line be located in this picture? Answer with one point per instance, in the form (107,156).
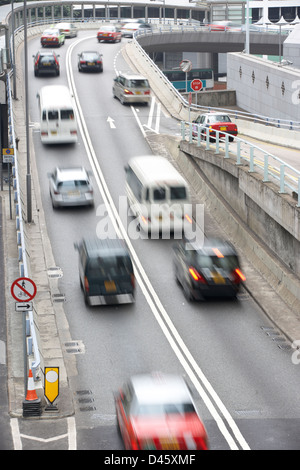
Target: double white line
(217,409)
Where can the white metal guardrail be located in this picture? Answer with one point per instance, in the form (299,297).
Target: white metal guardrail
(272,167)
(33,354)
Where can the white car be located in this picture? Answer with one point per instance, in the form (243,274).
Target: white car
(70,187)
(129,29)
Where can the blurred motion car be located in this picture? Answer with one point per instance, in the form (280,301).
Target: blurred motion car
(52,37)
(69,29)
(46,62)
(90,61)
(105,271)
(215,122)
(208,270)
(109,33)
(129,29)
(131,87)
(70,187)
(156,411)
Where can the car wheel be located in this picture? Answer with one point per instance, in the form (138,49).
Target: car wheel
(36,74)
(187,293)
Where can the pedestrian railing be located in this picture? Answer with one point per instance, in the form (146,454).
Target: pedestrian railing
(243,152)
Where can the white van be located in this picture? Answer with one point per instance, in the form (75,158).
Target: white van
(157,195)
(58,119)
(69,29)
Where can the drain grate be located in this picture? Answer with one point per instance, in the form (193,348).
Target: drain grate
(55,272)
(275,335)
(75,347)
(58,297)
(84,399)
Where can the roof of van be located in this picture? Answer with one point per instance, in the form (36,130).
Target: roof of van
(155,169)
(104,247)
(55,95)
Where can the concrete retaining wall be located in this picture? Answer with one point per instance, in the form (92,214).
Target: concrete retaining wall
(264,223)
(263,87)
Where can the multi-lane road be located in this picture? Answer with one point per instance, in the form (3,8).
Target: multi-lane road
(244,386)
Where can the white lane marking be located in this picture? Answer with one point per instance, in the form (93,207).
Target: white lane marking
(2,352)
(149,292)
(15,432)
(150,117)
(111,122)
(17,436)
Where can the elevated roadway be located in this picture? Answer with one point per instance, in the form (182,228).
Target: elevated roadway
(209,41)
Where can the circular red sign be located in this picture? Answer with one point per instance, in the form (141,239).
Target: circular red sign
(196,85)
(23,289)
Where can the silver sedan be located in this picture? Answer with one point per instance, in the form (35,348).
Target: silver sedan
(70,187)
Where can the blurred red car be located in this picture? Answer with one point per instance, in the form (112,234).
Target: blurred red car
(215,121)
(109,33)
(157,412)
(52,37)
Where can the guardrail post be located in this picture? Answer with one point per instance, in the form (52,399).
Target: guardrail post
(207,139)
(251,170)
(226,146)
(183,130)
(217,142)
(266,165)
(198,136)
(190,133)
(282,178)
(238,152)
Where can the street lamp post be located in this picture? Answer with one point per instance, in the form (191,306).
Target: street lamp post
(28,175)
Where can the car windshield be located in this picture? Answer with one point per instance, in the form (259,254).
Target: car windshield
(219,118)
(51,32)
(227,262)
(138,83)
(107,28)
(72,184)
(150,409)
(89,56)
(108,266)
(47,58)
(67,114)
(177,192)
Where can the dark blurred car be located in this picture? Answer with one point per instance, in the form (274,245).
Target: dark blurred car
(52,37)
(105,271)
(156,411)
(90,61)
(210,270)
(215,121)
(46,62)
(109,33)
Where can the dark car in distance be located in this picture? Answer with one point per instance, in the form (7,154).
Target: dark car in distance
(46,62)
(90,61)
(211,269)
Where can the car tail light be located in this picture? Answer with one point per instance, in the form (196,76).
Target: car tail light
(240,276)
(196,276)
(98,62)
(147,92)
(44,133)
(86,284)
(128,92)
(73,132)
(201,443)
(82,62)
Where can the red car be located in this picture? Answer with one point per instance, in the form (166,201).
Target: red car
(52,37)
(215,121)
(157,412)
(109,33)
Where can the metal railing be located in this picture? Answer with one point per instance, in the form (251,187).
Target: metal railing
(273,168)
